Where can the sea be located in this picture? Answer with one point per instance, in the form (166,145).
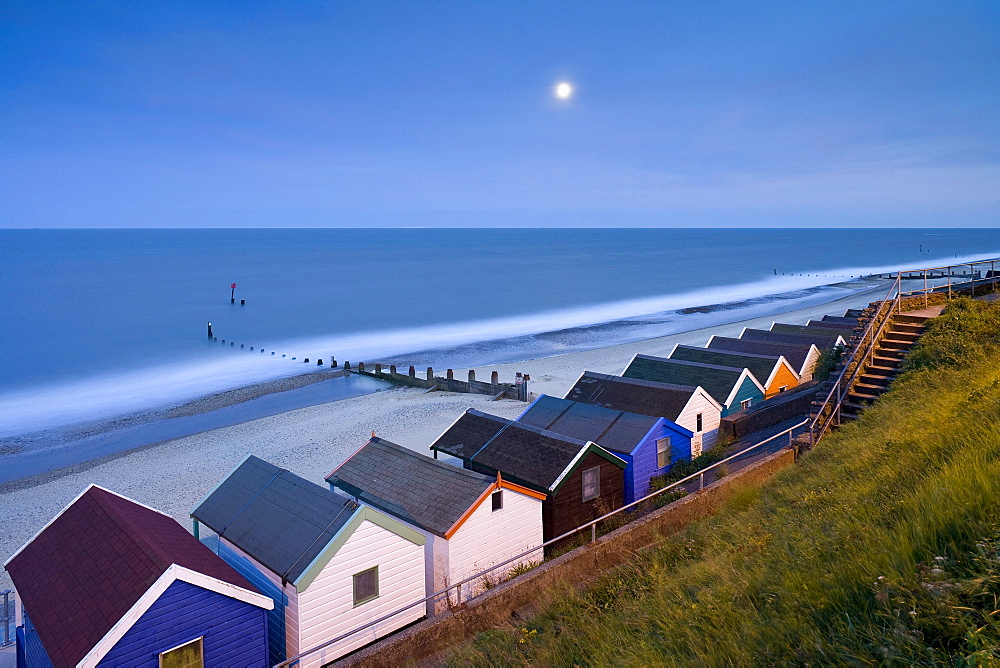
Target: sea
(102,323)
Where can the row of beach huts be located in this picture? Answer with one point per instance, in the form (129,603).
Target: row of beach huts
(278,565)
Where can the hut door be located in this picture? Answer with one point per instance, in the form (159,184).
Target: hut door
(695,445)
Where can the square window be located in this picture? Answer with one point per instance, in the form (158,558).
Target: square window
(365,586)
(592,483)
(745,404)
(662,452)
(188,655)
(697,421)
(782,389)
(498,500)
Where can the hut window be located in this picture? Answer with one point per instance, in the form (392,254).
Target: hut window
(745,404)
(592,483)
(697,422)
(782,388)
(498,500)
(365,586)
(662,452)
(189,655)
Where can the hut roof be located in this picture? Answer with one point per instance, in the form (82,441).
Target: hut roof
(631,394)
(795,353)
(425,492)
(820,340)
(94,561)
(719,381)
(761,366)
(615,430)
(536,458)
(281,520)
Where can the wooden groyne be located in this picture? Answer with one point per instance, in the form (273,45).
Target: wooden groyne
(518,390)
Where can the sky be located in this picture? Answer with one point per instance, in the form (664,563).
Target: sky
(444,114)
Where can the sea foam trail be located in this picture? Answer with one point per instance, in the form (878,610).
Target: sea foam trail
(110,395)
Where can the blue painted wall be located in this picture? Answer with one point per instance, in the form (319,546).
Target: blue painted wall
(643,462)
(746,391)
(35,655)
(235,632)
(276,616)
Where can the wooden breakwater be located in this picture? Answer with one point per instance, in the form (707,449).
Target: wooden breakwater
(518,390)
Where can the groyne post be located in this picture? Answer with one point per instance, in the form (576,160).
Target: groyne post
(378,368)
(210,330)
(430,373)
(392,369)
(450,374)
(361,367)
(494,378)
(472,376)
(413,371)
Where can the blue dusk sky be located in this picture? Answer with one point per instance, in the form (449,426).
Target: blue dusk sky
(444,114)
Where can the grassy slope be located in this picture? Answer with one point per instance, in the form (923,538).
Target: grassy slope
(881,546)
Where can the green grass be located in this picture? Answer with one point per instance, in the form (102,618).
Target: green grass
(882,546)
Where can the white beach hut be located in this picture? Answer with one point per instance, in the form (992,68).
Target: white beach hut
(329,563)
(470,521)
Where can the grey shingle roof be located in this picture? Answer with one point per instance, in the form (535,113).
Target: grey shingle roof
(524,454)
(644,397)
(821,340)
(761,366)
(281,520)
(795,353)
(425,492)
(615,430)
(718,381)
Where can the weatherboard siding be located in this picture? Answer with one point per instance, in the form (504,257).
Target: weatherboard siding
(436,570)
(809,365)
(251,570)
(326,607)
(234,632)
(567,510)
(688,418)
(487,538)
(782,378)
(287,600)
(34,652)
(643,461)
(746,390)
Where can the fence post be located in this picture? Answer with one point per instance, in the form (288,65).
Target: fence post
(972,279)
(701,481)
(925,288)
(949,282)
(593,532)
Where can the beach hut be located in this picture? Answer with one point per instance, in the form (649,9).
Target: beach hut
(733,387)
(773,372)
(813,329)
(802,356)
(330,564)
(580,479)
(692,408)
(649,445)
(111,582)
(470,521)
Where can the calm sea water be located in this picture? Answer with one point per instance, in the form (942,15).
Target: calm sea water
(101,322)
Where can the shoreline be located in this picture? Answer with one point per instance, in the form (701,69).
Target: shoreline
(174,474)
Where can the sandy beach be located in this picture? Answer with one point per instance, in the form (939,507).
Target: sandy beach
(175,475)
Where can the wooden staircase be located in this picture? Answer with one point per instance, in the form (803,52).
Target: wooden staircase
(878,374)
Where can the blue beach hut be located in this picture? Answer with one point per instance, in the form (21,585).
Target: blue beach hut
(649,445)
(111,582)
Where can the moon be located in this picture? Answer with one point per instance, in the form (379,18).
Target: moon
(564,90)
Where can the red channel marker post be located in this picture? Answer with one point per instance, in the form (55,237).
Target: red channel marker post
(232,294)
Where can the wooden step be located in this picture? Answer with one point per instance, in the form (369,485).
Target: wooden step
(894,344)
(902,336)
(875,380)
(854,397)
(878,369)
(851,407)
(868,389)
(885,362)
(909,329)
(910,319)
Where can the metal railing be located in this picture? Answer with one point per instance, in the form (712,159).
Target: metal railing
(6,618)
(592,525)
(829,413)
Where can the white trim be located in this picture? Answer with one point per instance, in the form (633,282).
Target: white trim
(453,423)
(579,455)
(67,507)
(739,383)
(630,363)
(705,393)
(146,601)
